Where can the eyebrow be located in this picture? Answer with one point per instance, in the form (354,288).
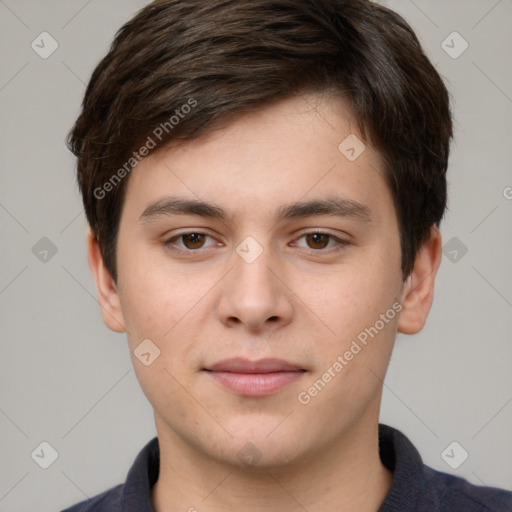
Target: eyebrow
(334,206)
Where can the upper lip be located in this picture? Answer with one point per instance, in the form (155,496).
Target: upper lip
(240,365)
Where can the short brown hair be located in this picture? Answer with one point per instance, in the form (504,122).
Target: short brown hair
(226,57)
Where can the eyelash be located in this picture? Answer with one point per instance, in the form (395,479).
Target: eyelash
(171,247)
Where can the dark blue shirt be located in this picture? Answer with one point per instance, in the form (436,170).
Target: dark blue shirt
(415,487)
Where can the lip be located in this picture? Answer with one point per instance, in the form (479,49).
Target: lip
(254,378)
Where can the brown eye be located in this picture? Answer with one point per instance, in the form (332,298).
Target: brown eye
(317,240)
(189,242)
(193,240)
(320,242)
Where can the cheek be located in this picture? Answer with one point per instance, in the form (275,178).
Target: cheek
(166,390)
(161,305)
(354,298)
(154,297)
(147,309)
(352,362)
(360,306)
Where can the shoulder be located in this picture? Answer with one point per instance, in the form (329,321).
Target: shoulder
(107,501)
(447,492)
(418,487)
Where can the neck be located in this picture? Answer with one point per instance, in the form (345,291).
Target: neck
(346,475)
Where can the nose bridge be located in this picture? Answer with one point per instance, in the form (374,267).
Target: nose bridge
(252,268)
(253,295)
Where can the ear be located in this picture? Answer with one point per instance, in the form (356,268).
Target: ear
(108,297)
(418,290)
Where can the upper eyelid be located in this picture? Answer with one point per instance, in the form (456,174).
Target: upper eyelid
(185,233)
(306,231)
(339,239)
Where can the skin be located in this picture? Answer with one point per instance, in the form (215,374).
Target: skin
(301,300)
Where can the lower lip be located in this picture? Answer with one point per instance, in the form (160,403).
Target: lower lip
(255,384)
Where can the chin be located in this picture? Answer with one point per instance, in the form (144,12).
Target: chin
(260,456)
(263,446)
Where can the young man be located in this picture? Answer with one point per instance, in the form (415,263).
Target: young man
(264,183)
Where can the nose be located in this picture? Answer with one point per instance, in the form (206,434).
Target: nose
(255,294)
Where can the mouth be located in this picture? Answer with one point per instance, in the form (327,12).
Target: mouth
(254,378)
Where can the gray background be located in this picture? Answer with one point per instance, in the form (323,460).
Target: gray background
(67,380)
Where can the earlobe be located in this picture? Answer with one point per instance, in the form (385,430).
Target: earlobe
(108,296)
(418,290)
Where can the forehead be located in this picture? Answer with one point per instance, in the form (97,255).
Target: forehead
(296,150)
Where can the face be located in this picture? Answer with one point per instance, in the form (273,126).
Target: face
(272,309)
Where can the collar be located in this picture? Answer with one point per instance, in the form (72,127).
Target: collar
(396,452)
